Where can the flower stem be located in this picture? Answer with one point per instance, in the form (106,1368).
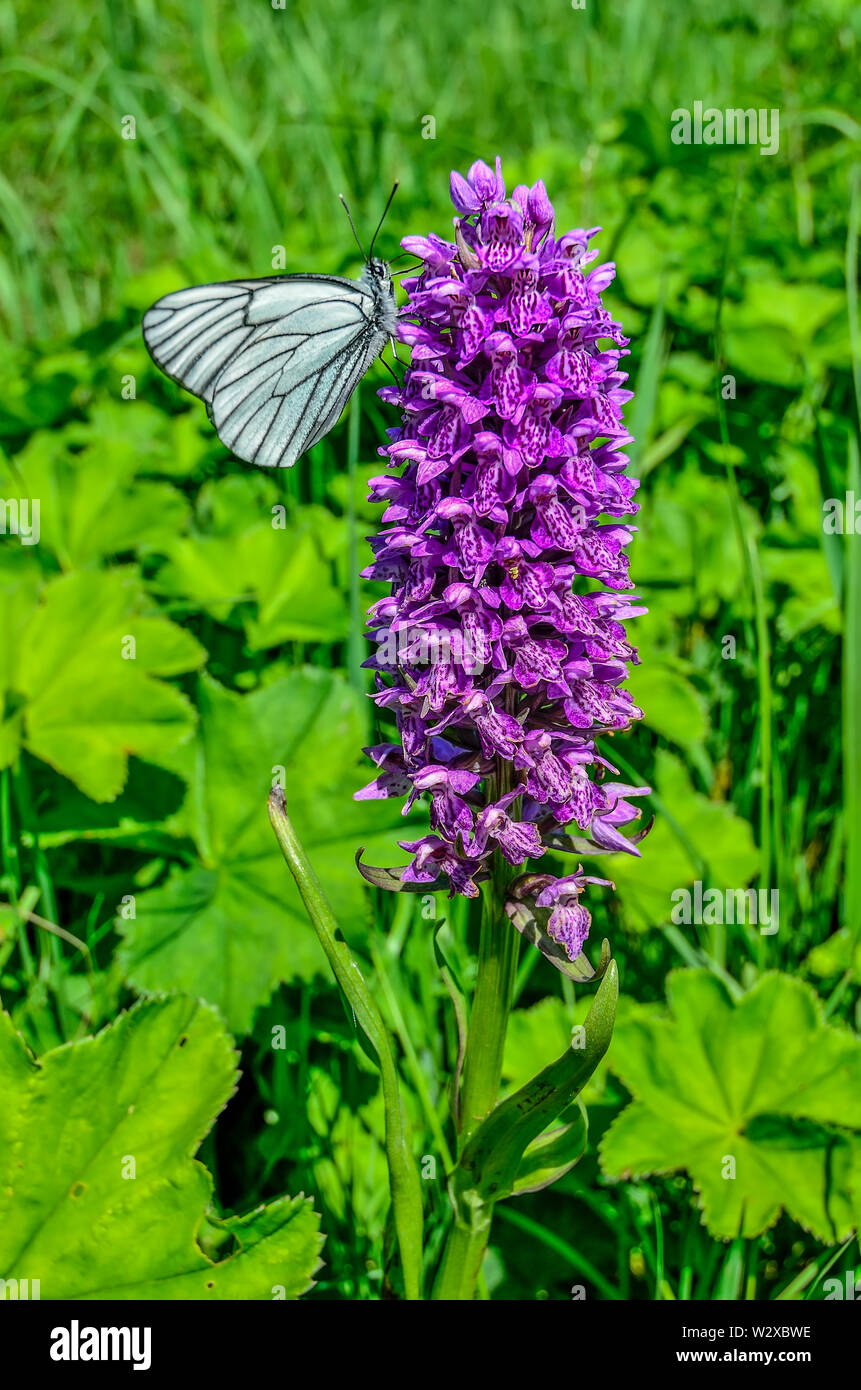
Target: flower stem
(491,1004)
(462,1260)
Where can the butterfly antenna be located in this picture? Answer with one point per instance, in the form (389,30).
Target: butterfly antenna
(383,218)
(391,373)
(353,225)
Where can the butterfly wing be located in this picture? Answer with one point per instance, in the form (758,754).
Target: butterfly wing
(275,360)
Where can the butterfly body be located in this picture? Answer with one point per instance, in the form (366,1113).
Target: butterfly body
(275,360)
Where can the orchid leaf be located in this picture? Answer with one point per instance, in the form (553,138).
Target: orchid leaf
(391,880)
(553,1154)
(404,1181)
(489,1165)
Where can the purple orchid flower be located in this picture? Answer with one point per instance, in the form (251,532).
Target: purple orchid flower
(502,648)
(569,922)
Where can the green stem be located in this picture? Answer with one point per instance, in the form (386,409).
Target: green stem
(491,1004)
(851,717)
(462,1259)
(415,1068)
(52,969)
(852,599)
(753,572)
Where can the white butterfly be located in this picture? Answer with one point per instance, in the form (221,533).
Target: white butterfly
(275,360)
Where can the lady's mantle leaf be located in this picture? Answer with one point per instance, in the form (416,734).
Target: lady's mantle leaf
(100,1195)
(229,928)
(707,840)
(90,511)
(80,679)
(747,1098)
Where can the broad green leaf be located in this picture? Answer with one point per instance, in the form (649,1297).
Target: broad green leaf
(269,565)
(535,1037)
(696,838)
(753,1099)
(101,1196)
(836,954)
(87,510)
(281,572)
(801,309)
(765,353)
(812,601)
(136,818)
(233,926)
(134,434)
(687,546)
(645,276)
(81,679)
(672,706)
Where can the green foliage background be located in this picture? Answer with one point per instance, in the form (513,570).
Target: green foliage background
(136,855)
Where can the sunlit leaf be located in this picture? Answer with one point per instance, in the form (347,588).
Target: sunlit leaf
(755,1100)
(115,1212)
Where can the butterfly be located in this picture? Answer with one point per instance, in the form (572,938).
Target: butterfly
(275,360)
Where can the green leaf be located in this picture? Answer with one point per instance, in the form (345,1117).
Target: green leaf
(752,1099)
(489,1167)
(79,695)
(404,1183)
(835,955)
(391,880)
(87,510)
(232,926)
(553,1154)
(278,577)
(672,706)
(801,309)
(695,838)
(77,1216)
(687,546)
